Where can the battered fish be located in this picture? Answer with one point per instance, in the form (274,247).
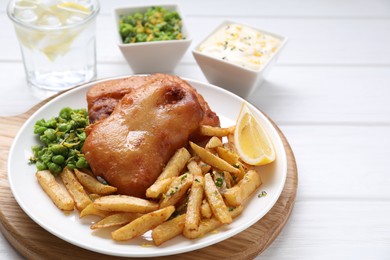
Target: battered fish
(131,146)
(103,97)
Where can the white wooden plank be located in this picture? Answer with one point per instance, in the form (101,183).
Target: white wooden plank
(275,8)
(311,41)
(341,162)
(326,230)
(326,94)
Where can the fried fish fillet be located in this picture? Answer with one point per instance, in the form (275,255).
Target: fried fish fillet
(131,146)
(103,97)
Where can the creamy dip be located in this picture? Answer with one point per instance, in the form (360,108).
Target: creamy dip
(240,45)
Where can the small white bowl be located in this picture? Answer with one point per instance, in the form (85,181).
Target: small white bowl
(238,79)
(157,56)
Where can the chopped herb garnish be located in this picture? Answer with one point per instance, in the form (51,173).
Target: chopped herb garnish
(262,194)
(219,182)
(231,208)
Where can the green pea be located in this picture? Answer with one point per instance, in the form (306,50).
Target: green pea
(71,166)
(51,123)
(63,127)
(39,129)
(41,166)
(81,163)
(58,159)
(54,168)
(59,149)
(66,113)
(50,134)
(46,158)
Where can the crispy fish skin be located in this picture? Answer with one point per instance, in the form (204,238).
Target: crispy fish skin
(103,97)
(131,146)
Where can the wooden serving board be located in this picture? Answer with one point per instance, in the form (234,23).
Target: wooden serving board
(34,242)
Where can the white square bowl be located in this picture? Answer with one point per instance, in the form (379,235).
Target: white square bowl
(238,79)
(156,56)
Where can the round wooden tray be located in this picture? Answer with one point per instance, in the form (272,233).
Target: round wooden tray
(34,242)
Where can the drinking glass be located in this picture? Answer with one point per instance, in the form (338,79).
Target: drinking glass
(57,41)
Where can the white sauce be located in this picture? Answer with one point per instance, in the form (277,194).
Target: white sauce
(240,45)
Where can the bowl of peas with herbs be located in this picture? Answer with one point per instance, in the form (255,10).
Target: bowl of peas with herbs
(151,38)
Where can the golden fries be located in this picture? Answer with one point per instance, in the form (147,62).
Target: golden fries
(142,224)
(194,203)
(117,219)
(75,189)
(168,230)
(213,160)
(215,200)
(175,164)
(214,142)
(210,224)
(93,185)
(210,194)
(194,168)
(207,130)
(205,209)
(91,210)
(59,196)
(123,203)
(238,194)
(158,188)
(176,190)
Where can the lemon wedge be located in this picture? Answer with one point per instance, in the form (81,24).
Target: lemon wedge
(74,7)
(253,143)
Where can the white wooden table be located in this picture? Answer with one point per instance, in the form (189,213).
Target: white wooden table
(329,93)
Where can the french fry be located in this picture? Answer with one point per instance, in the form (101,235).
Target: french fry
(158,188)
(75,189)
(233,159)
(219,181)
(194,203)
(231,143)
(205,167)
(213,160)
(177,189)
(94,196)
(142,224)
(123,203)
(208,225)
(194,168)
(176,164)
(91,210)
(205,209)
(215,200)
(238,194)
(56,193)
(93,185)
(214,142)
(117,219)
(216,131)
(168,230)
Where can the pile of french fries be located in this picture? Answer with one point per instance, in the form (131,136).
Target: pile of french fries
(197,192)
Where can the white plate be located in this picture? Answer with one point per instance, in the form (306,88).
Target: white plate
(39,207)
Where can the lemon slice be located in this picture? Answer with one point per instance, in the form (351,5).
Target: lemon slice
(74,7)
(253,143)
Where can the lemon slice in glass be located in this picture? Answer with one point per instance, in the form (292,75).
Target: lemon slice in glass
(74,7)
(253,143)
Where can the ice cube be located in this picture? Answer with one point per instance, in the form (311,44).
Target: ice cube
(49,21)
(48,3)
(74,19)
(27,16)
